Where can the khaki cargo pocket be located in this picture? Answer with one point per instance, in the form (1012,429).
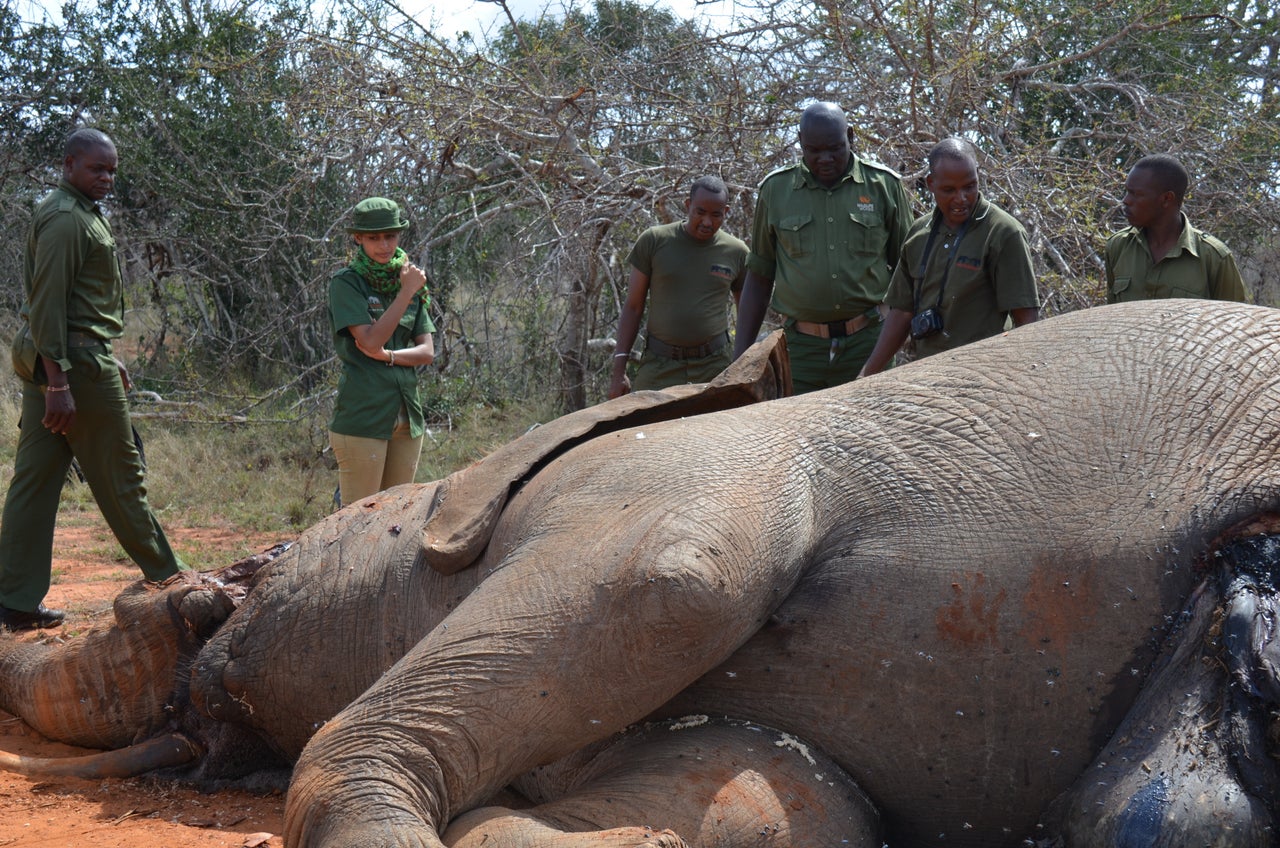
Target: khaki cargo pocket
(1121,285)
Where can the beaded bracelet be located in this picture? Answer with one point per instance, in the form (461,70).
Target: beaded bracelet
(59,388)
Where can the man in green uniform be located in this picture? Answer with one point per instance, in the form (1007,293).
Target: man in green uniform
(685,270)
(1160,254)
(826,237)
(73,390)
(965,268)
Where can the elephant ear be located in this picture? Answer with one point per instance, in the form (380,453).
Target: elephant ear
(469,502)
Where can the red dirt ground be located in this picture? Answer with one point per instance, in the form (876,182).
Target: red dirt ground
(73,813)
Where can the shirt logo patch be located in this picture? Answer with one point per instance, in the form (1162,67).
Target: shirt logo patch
(722,272)
(969,263)
(866,204)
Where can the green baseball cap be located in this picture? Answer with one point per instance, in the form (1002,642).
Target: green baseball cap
(376,215)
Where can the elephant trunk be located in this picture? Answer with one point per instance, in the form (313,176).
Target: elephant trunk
(110,687)
(166,751)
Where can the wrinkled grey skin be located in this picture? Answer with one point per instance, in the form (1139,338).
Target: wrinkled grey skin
(951,578)
(956,580)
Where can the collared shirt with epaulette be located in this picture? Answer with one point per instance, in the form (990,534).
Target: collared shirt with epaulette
(1199,265)
(829,251)
(980,280)
(70,274)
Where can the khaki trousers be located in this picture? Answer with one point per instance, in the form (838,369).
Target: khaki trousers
(367,466)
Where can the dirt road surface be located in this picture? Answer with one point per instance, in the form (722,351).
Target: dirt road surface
(71,813)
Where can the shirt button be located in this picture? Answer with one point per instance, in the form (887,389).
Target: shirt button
(830,220)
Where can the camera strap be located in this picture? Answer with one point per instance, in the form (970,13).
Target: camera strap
(946,270)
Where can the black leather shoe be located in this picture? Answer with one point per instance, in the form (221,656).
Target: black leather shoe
(43,617)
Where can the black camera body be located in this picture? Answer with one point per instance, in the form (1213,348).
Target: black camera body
(926,324)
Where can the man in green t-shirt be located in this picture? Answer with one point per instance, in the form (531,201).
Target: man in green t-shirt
(73,390)
(965,267)
(1160,254)
(826,236)
(685,270)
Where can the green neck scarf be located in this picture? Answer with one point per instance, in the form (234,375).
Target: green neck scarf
(383,278)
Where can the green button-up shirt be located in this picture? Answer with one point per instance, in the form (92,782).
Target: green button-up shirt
(987,275)
(829,251)
(371,392)
(70,274)
(1199,265)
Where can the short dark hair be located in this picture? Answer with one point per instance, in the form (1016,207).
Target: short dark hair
(710,184)
(1168,172)
(86,138)
(954,148)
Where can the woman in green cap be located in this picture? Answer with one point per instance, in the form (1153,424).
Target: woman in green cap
(378,311)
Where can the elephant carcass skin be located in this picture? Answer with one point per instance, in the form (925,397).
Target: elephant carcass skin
(951,578)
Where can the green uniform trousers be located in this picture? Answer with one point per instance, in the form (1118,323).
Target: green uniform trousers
(101,441)
(658,372)
(813,366)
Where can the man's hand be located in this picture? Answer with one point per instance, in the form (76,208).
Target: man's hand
(59,405)
(619,387)
(59,409)
(124,374)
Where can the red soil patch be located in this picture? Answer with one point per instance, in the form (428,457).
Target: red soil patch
(73,813)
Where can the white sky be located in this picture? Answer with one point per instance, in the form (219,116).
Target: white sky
(453,16)
(479,16)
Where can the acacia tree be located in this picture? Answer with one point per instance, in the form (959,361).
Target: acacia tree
(34,73)
(1065,96)
(547,151)
(220,197)
(529,164)
(573,140)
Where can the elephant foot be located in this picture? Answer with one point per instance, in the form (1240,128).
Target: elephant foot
(1184,768)
(717,784)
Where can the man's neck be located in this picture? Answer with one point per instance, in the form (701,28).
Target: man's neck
(1163,235)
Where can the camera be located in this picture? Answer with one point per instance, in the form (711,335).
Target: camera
(926,324)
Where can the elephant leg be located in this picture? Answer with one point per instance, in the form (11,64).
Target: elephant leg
(685,783)
(576,634)
(1187,766)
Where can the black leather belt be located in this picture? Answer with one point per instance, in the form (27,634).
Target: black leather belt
(669,351)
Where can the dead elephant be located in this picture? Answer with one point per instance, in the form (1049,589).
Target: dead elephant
(1018,592)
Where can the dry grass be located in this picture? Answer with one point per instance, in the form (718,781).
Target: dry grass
(263,475)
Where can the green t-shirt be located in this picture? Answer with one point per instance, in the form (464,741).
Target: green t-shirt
(689,281)
(1199,265)
(70,274)
(990,275)
(829,251)
(370,393)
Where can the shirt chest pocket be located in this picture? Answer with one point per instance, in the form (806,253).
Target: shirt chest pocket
(796,235)
(101,258)
(867,235)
